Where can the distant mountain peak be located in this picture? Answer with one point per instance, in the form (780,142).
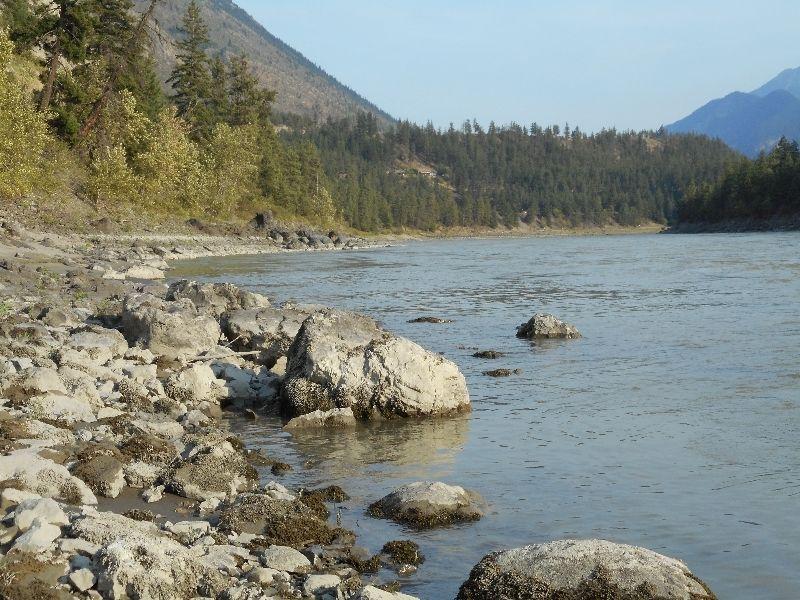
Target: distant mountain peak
(787,80)
(750,122)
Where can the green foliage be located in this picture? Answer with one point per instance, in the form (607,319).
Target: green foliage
(111,179)
(191,77)
(24,136)
(751,190)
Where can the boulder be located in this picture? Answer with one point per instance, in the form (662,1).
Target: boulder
(577,569)
(39,537)
(341,359)
(45,510)
(137,560)
(543,326)
(216,299)
(212,470)
(100,344)
(268,330)
(319,585)
(281,522)
(61,408)
(82,580)
(426,504)
(104,474)
(44,477)
(373,593)
(32,382)
(144,272)
(334,418)
(196,384)
(283,558)
(173,330)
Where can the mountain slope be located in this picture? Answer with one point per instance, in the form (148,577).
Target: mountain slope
(303,88)
(749,123)
(788,80)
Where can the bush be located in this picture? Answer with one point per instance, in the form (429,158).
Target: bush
(111,179)
(24,135)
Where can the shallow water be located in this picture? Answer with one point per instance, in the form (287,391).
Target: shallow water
(673,424)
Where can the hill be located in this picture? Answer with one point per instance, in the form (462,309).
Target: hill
(303,87)
(749,123)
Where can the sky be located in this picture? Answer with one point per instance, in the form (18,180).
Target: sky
(629,64)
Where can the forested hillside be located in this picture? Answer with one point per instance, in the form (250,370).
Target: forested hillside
(302,87)
(85,116)
(751,192)
(421,177)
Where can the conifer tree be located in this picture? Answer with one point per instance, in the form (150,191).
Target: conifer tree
(191,78)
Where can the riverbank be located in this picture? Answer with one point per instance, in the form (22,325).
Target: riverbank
(739,226)
(114,386)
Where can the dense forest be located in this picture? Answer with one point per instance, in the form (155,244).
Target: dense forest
(758,190)
(422,177)
(78,86)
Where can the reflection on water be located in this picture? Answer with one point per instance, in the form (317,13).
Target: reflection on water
(672,424)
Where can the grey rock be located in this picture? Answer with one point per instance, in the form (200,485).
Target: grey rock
(334,419)
(341,359)
(582,569)
(283,558)
(82,580)
(542,326)
(426,504)
(216,299)
(173,330)
(269,330)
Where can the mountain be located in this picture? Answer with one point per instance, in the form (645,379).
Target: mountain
(303,87)
(750,123)
(788,80)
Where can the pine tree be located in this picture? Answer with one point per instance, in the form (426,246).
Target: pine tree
(249,104)
(191,79)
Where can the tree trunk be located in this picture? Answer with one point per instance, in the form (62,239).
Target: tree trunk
(47,90)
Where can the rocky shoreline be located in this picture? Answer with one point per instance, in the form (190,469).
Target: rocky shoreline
(117,480)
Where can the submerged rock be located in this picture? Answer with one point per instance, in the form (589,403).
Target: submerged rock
(334,418)
(427,504)
(489,354)
(543,326)
(502,372)
(212,470)
(430,320)
(580,569)
(341,359)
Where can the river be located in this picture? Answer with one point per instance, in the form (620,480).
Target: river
(673,424)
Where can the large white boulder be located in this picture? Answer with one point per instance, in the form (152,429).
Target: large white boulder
(582,569)
(341,359)
(44,477)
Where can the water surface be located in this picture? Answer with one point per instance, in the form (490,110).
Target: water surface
(673,424)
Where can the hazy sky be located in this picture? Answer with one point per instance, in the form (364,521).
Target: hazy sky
(593,63)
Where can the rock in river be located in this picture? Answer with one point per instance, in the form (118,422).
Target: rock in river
(341,359)
(427,504)
(543,326)
(582,569)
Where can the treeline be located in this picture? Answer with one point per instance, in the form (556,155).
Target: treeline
(421,177)
(758,190)
(210,147)
(206,148)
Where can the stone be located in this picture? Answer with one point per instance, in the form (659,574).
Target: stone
(62,408)
(153,494)
(141,475)
(100,344)
(426,504)
(216,299)
(262,575)
(144,272)
(283,558)
(105,475)
(212,470)
(45,510)
(10,497)
(82,580)
(334,418)
(542,326)
(317,585)
(32,382)
(373,593)
(341,359)
(268,330)
(577,569)
(44,477)
(190,531)
(38,538)
(173,330)
(195,384)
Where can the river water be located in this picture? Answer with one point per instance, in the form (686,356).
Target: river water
(673,424)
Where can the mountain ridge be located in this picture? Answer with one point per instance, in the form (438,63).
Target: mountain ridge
(303,87)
